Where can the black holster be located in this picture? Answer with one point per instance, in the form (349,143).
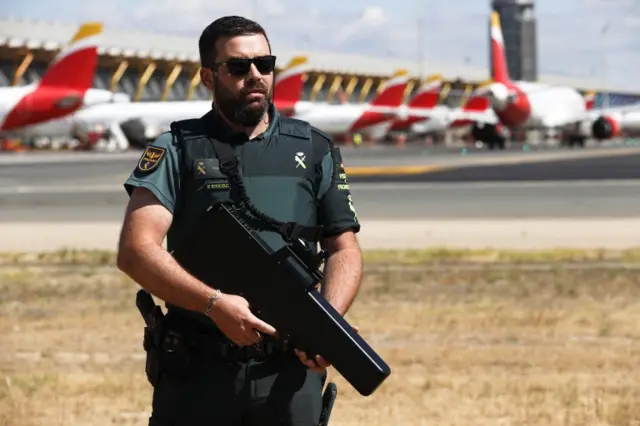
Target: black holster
(328,398)
(168,352)
(172,356)
(152,364)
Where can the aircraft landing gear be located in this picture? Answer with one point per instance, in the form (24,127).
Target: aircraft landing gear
(489,135)
(575,141)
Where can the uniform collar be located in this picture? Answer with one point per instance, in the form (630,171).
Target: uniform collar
(221,129)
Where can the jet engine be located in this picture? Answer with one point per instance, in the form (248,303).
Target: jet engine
(605,127)
(498,95)
(135,132)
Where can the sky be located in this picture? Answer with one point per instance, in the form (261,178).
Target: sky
(598,39)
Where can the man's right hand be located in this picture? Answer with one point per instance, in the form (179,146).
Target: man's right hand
(233,317)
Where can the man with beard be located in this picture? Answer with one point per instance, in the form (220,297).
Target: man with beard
(293,173)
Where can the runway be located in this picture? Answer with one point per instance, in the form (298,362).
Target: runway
(373,201)
(362,166)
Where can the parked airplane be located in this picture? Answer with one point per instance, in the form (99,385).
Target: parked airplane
(289,85)
(139,122)
(441,118)
(617,121)
(528,105)
(371,119)
(63,89)
(423,105)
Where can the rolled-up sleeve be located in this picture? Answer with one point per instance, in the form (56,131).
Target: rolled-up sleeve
(158,171)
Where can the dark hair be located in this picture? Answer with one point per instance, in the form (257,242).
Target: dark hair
(227,26)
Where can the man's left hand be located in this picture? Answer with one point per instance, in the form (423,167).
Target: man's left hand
(317,364)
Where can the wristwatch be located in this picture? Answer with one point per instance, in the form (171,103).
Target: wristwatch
(212,299)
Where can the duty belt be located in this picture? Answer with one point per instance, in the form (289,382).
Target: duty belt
(215,344)
(260,351)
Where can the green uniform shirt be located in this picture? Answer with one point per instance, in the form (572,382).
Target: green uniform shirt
(275,172)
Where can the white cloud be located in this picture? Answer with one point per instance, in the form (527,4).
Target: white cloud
(371,18)
(455,31)
(272,7)
(632,22)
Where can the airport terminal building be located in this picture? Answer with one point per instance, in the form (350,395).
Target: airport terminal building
(154,67)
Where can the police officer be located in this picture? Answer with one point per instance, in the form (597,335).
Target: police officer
(292,172)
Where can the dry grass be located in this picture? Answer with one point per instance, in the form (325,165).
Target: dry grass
(468,346)
(394,257)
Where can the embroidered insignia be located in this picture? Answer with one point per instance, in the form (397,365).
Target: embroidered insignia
(201,168)
(151,158)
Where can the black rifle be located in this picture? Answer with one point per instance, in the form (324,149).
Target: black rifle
(280,287)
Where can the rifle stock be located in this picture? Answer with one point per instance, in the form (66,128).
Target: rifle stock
(280,288)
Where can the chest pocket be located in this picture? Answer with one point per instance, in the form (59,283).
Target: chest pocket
(210,185)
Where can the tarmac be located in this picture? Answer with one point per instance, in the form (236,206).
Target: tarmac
(515,200)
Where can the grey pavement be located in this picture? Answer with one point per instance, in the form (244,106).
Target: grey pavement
(379,201)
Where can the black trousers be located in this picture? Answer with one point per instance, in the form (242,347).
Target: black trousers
(277,391)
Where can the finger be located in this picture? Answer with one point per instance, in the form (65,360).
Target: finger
(356,328)
(252,337)
(242,341)
(262,326)
(310,363)
(302,355)
(321,362)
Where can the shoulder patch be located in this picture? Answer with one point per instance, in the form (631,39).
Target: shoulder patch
(151,158)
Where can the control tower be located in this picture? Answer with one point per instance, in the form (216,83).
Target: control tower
(518,21)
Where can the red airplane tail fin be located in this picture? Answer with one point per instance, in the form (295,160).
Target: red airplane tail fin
(498,56)
(74,67)
(392,93)
(290,81)
(478,100)
(384,107)
(429,94)
(475,104)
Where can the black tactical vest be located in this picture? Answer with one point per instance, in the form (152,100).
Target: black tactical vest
(203,184)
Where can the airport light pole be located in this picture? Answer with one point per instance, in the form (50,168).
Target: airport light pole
(420,41)
(420,49)
(604,32)
(603,64)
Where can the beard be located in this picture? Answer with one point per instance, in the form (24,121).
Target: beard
(238,108)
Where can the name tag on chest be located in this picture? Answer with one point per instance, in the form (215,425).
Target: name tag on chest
(207,173)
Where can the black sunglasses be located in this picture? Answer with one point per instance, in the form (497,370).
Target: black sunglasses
(241,66)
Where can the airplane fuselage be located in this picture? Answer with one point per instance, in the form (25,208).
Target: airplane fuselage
(436,119)
(159,114)
(28,105)
(346,118)
(331,119)
(554,107)
(535,106)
